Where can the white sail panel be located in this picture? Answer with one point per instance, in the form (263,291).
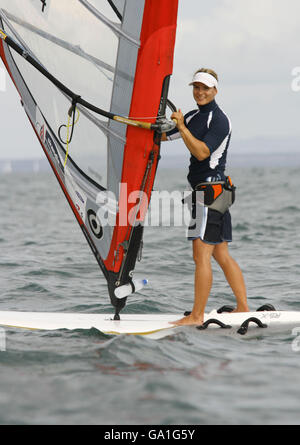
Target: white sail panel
(83,53)
(87,79)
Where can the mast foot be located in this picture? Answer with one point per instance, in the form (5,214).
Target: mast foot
(117,316)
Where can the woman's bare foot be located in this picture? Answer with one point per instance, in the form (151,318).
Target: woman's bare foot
(241,309)
(189,320)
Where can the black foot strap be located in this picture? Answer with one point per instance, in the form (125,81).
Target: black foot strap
(266,307)
(225,309)
(213,321)
(187,313)
(244,326)
(222,309)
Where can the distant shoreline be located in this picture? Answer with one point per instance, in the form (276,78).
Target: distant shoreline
(288,159)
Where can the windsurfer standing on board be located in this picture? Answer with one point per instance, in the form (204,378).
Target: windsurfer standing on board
(206,133)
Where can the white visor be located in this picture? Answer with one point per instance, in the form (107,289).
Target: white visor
(205,78)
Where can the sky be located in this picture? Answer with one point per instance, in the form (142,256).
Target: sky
(254,46)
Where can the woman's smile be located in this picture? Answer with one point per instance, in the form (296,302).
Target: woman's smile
(203,94)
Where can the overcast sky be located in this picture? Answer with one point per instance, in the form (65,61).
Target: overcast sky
(253,45)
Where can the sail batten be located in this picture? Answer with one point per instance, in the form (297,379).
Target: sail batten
(64,44)
(114,26)
(73,54)
(116,9)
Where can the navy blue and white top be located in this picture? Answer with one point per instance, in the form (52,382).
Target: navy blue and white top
(210,125)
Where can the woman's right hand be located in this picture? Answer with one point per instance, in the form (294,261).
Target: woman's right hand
(178,117)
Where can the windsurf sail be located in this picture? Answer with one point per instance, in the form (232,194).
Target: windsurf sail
(93,77)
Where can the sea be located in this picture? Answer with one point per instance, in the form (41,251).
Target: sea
(83,377)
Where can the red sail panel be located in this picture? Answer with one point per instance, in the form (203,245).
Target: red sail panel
(154,64)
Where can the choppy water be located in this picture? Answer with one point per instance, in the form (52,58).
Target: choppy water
(85,377)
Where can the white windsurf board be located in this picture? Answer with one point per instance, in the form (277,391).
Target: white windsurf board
(153,325)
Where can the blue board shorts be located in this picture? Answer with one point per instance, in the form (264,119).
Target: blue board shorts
(210,226)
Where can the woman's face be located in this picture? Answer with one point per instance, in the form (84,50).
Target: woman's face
(203,95)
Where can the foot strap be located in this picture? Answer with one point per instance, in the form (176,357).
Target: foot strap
(244,326)
(213,321)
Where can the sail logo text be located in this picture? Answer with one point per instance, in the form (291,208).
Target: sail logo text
(2,80)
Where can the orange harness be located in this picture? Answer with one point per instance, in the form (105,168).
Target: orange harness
(219,195)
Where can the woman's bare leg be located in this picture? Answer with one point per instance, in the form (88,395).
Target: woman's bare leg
(233,275)
(202,253)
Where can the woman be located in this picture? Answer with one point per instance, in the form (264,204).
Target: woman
(206,133)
